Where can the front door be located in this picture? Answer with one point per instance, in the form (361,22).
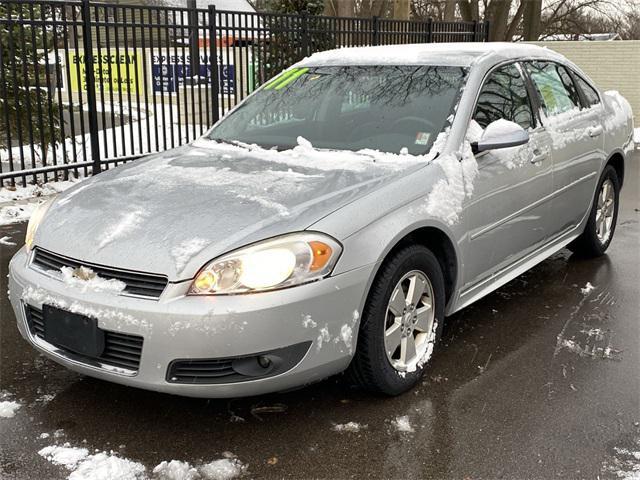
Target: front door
(506,216)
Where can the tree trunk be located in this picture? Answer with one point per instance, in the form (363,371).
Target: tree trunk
(531,26)
(346,8)
(469,10)
(498,14)
(450,11)
(401,9)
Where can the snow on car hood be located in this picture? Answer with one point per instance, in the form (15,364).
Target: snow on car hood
(173,212)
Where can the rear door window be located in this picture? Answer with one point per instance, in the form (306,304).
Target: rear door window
(590,95)
(557,91)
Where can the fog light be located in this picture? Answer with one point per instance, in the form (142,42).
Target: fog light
(264,362)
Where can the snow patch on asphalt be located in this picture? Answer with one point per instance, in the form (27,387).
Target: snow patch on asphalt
(65,455)
(587,289)
(402,424)
(8,408)
(222,469)
(352,427)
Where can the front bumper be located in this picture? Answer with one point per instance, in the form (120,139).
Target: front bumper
(187,327)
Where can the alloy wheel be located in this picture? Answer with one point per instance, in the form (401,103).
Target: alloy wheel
(409,328)
(605,211)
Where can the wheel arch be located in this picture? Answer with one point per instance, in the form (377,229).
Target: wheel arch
(616,160)
(436,240)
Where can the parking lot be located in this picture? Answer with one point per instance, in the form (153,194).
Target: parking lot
(538,380)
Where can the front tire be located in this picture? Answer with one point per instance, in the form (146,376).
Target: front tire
(603,217)
(401,322)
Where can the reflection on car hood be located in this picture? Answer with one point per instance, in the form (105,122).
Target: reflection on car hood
(173,212)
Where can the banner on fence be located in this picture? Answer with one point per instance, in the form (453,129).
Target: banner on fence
(170,72)
(113,71)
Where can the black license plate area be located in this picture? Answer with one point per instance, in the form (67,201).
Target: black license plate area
(72,331)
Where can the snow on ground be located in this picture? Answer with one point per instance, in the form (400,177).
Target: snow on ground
(12,194)
(8,408)
(625,462)
(16,213)
(402,424)
(587,289)
(352,427)
(109,466)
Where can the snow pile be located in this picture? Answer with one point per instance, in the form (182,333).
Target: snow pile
(445,201)
(99,466)
(65,455)
(223,469)
(305,155)
(619,107)
(108,466)
(175,470)
(587,289)
(403,424)
(183,252)
(352,427)
(12,194)
(8,408)
(86,280)
(16,213)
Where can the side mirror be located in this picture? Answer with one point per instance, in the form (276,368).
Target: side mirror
(501,134)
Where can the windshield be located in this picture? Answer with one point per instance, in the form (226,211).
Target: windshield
(386,108)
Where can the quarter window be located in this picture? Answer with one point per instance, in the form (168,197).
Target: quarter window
(504,96)
(557,91)
(590,94)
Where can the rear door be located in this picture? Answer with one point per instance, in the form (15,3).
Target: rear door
(507,213)
(577,138)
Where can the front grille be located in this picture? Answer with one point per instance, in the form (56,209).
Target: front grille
(137,284)
(199,371)
(121,349)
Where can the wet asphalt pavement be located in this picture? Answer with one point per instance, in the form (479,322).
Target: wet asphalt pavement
(537,380)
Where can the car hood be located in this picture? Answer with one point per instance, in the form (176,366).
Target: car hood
(172,212)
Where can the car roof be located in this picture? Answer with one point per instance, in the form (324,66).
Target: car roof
(449,54)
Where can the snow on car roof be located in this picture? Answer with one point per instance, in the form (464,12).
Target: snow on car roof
(454,54)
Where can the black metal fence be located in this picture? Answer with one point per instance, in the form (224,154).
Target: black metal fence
(87,85)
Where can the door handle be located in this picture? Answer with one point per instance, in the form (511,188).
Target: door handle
(595,131)
(538,156)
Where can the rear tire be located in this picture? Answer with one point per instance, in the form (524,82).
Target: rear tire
(395,312)
(603,217)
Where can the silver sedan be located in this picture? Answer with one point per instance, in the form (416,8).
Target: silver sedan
(330,222)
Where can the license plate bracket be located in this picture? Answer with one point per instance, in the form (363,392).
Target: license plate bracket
(78,333)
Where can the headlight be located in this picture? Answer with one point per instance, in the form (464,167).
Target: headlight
(280,262)
(34,221)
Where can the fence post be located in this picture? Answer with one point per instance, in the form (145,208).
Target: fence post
(90,83)
(430,30)
(194,50)
(487,24)
(304,34)
(375,30)
(213,61)
(476,31)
